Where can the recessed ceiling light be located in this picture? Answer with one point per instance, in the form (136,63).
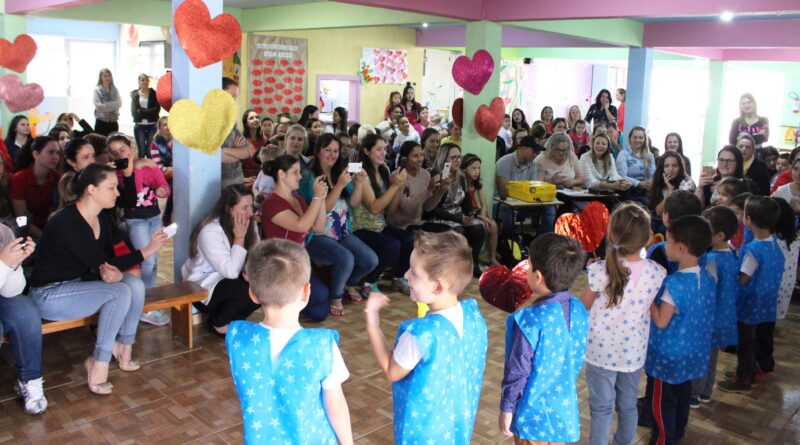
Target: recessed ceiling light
(425,25)
(726,16)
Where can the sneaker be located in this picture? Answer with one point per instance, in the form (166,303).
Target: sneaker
(645,415)
(32,393)
(401,285)
(368,288)
(157,318)
(704,399)
(694,402)
(734,386)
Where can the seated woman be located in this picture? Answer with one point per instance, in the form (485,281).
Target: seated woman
(421,193)
(670,175)
(369,220)
(20,321)
(449,214)
(336,246)
(35,180)
(636,164)
(69,120)
(558,164)
(730,164)
(430,141)
(286,215)
(77,273)
(78,153)
(217,251)
(598,166)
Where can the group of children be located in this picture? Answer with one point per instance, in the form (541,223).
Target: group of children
(668,314)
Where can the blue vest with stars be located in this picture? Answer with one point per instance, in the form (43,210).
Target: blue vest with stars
(437,401)
(725,332)
(548,409)
(282,401)
(758,300)
(672,266)
(679,352)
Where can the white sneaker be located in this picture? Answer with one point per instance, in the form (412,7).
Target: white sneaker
(32,393)
(158,318)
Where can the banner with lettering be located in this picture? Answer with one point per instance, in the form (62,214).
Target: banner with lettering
(278,75)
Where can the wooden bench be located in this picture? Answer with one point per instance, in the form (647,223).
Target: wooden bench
(178,297)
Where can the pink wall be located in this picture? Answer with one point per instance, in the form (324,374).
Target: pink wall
(460,9)
(30,6)
(455,35)
(716,34)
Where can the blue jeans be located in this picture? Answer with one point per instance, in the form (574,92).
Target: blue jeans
(350,257)
(119,304)
(140,231)
(607,389)
(20,320)
(547,218)
(317,307)
(144,134)
(389,244)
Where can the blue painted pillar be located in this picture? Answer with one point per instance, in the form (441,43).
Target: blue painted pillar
(196,180)
(637,98)
(486,36)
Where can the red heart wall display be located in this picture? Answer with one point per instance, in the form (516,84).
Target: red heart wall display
(472,75)
(488,120)
(16,56)
(506,289)
(18,96)
(589,228)
(164,91)
(206,41)
(458,112)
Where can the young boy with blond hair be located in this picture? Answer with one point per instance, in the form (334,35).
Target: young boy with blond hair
(438,360)
(289,379)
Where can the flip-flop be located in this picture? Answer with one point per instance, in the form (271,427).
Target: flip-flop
(101,389)
(354,296)
(336,311)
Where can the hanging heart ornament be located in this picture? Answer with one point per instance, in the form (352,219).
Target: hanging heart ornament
(203,128)
(472,75)
(206,41)
(18,96)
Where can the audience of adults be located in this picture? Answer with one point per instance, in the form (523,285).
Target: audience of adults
(674,142)
(730,164)
(558,164)
(34,182)
(599,169)
(670,175)
(19,134)
(749,122)
(601,111)
(636,164)
(754,168)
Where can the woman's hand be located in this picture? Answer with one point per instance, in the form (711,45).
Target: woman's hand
(433,183)
(361,177)
(645,185)
(399,177)
(705,181)
(161,192)
(623,185)
(344,179)
(467,220)
(668,183)
(320,187)
(15,252)
(240,226)
(110,274)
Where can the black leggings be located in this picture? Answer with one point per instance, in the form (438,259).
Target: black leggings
(105,128)
(230,301)
(475,235)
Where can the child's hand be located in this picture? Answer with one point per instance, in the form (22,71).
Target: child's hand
(504,422)
(161,192)
(375,303)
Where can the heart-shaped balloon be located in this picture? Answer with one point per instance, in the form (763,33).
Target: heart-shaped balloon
(458,112)
(16,56)
(203,128)
(506,289)
(18,96)
(488,120)
(206,41)
(472,75)
(164,91)
(589,228)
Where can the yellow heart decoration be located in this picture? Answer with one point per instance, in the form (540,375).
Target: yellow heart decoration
(203,128)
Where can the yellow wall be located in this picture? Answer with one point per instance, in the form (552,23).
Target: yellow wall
(338,52)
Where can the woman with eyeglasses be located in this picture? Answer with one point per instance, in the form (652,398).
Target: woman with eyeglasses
(730,164)
(559,165)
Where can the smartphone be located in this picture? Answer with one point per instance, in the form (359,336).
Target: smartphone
(353,167)
(402,162)
(171,230)
(708,170)
(446,170)
(121,164)
(22,229)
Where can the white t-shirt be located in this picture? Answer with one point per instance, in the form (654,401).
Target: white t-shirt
(407,353)
(279,337)
(666,297)
(784,192)
(618,336)
(264,184)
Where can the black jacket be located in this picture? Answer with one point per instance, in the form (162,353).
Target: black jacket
(150,113)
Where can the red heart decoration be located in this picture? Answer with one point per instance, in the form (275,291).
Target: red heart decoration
(296,110)
(298,80)
(279,72)
(258,110)
(298,97)
(278,97)
(290,70)
(164,91)
(287,92)
(271,62)
(280,86)
(301,71)
(16,56)
(256,73)
(206,41)
(458,112)
(258,82)
(472,75)
(269,90)
(267,70)
(257,62)
(488,120)
(270,79)
(298,89)
(287,79)
(284,109)
(17,96)
(284,62)
(504,289)
(289,101)
(298,62)
(255,101)
(257,92)
(272,110)
(589,228)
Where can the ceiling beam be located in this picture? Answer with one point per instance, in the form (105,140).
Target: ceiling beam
(716,34)
(32,6)
(611,31)
(455,36)
(459,9)
(137,12)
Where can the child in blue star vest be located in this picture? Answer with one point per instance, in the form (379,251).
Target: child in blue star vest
(760,275)
(680,333)
(289,379)
(618,295)
(545,345)
(723,265)
(676,204)
(438,360)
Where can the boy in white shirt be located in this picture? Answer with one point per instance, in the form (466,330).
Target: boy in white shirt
(289,379)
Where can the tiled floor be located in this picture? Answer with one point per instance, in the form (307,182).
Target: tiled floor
(182,396)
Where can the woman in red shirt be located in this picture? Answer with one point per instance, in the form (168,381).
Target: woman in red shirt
(285,214)
(35,180)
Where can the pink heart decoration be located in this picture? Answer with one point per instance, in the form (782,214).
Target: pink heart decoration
(488,120)
(17,96)
(472,75)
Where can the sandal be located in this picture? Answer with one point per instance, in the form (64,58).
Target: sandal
(354,295)
(101,389)
(336,311)
(129,366)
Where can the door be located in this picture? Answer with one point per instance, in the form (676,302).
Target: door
(85,59)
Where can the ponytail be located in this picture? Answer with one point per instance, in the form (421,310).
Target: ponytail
(281,163)
(628,232)
(617,277)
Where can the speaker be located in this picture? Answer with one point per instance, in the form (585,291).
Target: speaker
(527,60)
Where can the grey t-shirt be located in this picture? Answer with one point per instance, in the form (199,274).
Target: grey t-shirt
(507,167)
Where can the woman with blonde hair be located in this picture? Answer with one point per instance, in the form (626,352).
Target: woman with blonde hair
(107,103)
(558,164)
